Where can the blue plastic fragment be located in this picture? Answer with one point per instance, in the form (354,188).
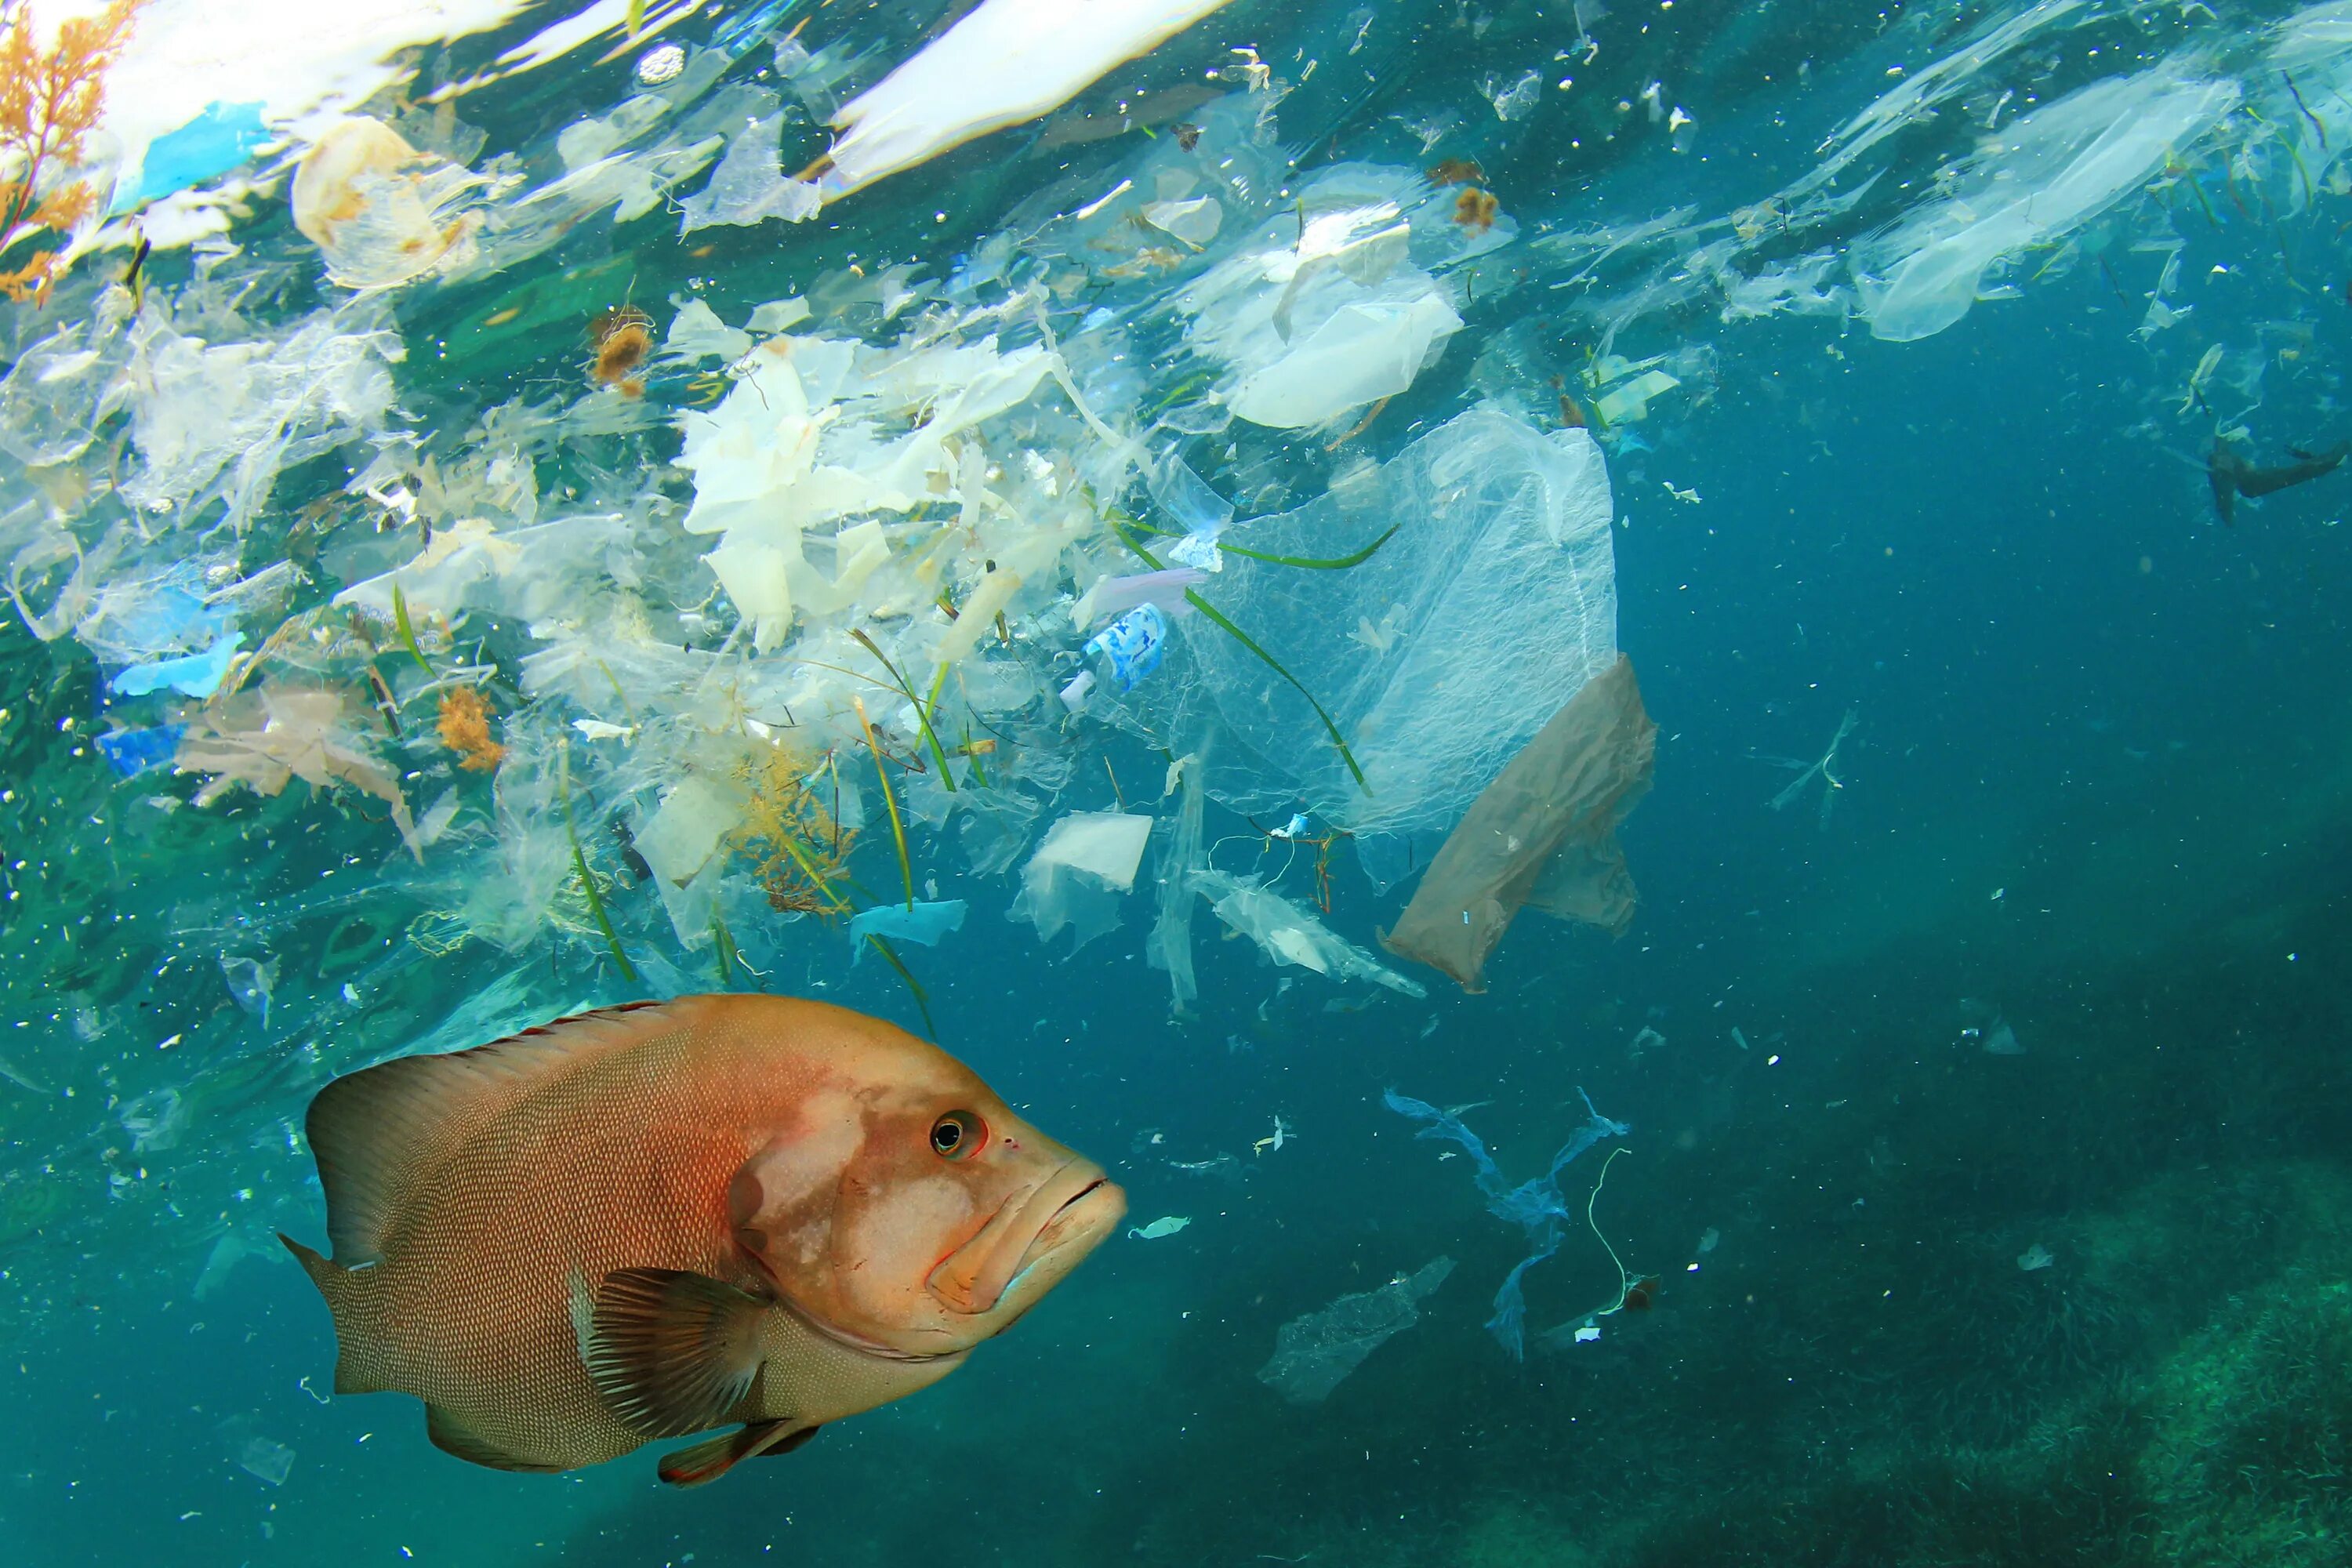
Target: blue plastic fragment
(220,138)
(192,673)
(925,924)
(1535,1205)
(133,751)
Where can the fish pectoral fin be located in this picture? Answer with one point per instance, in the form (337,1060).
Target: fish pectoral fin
(671,1352)
(452,1436)
(708,1461)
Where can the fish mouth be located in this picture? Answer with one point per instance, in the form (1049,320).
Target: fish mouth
(1027,1245)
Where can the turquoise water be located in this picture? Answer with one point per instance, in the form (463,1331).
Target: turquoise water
(2007,1227)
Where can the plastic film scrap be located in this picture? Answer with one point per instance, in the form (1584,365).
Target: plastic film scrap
(1313,1354)
(1543,834)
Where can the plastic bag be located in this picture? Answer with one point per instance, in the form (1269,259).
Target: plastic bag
(1437,658)
(2048,174)
(1544,833)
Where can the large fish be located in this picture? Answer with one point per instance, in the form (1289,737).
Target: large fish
(654,1220)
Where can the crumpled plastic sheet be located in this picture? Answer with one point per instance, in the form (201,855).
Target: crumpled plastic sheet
(1535,1206)
(2049,173)
(1289,935)
(1078,874)
(1544,833)
(1313,1354)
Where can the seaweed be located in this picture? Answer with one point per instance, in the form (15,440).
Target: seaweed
(407,631)
(805,845)
(922,709)
(889,801)
(49,103)
(587,878)
(463,727)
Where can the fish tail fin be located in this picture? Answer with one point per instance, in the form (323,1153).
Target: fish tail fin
(707,1461)
(345,1296)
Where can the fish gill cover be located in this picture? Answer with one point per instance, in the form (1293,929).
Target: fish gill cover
(511,507)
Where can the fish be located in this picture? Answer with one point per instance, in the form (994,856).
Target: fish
(2232,475)
(653,1220)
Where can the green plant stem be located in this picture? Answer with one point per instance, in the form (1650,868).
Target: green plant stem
(889,801)
(587,882)
(922,711)
(1217,618)
(407,631)
(1335,564)
(914,986)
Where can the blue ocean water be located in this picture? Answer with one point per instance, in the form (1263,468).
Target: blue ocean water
(1985,1126)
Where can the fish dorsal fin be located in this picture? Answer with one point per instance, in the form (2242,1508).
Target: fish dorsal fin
(671,1352)
(375,1132)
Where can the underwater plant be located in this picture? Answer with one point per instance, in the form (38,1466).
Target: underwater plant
(465,728)
(49,103)
(800,848)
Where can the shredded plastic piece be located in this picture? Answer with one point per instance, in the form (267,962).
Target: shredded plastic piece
(1289,935)
(1544,833)
(1080,872)
(1535,1206)
(1314,1355)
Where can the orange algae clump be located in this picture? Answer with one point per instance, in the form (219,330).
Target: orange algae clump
(622,338)
(790,830)
(49,105)
(1474,208)
(465,728)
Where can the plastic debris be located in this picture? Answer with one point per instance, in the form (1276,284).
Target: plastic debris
(1324,312)
(1170,945)
(2049,173)
(1166,1225)
(1544,833)
(1498,585)
(249,982)
(2034,1257)
(266,739)
(1535,1206)
(133,751)
(193,675)
(1003,62)
(1289,935)
(379,211)
(917,922)
(1078,874)
(749,186)
(216,140)
(265,1460)
(1314,1355)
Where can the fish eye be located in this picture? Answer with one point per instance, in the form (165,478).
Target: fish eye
(957,1135)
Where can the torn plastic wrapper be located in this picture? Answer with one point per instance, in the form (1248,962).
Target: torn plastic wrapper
(1079,873)
(1544,833)
(1003,62)
(379,211)
(1289,935)
(1313,1354)
(918,922)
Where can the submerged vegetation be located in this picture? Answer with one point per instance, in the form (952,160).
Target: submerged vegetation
(49,103)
